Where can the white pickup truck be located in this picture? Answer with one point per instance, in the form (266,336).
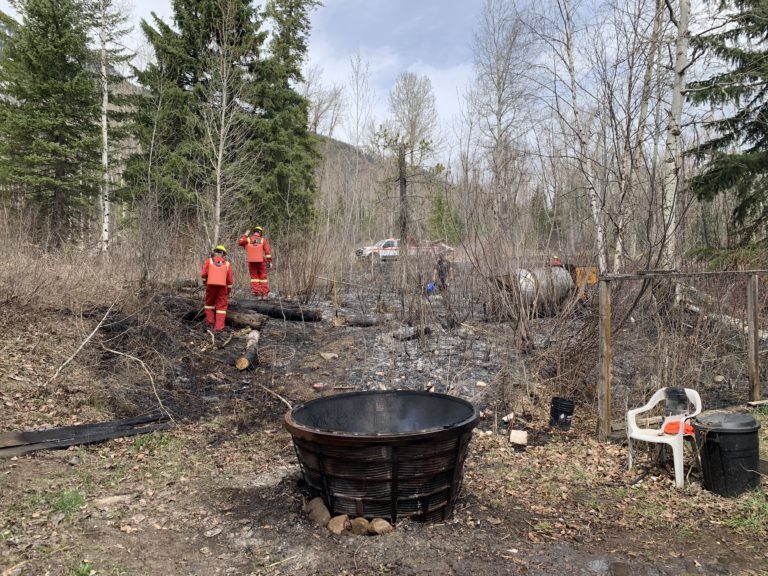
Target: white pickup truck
(382,251)
(389,249)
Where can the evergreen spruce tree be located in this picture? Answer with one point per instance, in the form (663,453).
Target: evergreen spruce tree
(444,222)
(285,187)
(736,158)
(48,115)
(172,161)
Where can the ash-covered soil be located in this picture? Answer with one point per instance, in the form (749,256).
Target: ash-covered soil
(221,493)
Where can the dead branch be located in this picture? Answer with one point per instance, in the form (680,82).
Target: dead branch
(82,344)
(151,379)
(283,400)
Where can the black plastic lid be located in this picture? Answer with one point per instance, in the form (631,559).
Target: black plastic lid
(724,422)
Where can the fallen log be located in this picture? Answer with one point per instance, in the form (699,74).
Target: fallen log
(251,355)
(245,320)
(191,310)
(18,443)
(411,333)
(281,311)
(361,321)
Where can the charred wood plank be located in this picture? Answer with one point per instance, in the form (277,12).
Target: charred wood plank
(87,437)
(282,311)
(36,436)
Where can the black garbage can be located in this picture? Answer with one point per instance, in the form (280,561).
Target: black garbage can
(730,452)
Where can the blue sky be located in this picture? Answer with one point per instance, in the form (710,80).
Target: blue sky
(427,37)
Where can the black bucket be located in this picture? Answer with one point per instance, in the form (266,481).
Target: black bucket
(561,413)
(730,452)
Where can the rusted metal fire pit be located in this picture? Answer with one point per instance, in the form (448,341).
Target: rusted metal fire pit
(387,454)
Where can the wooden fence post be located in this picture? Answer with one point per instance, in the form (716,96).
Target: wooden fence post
(604,386)
(753,362)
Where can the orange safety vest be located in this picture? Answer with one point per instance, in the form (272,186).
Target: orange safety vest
(217,272)
(255,250)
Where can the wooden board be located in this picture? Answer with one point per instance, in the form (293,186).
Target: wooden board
(8,439)
(18,443)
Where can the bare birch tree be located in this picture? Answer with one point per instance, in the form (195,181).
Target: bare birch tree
(499,98)
(110,26)
(414,114)
(672,153)
(227,154)
(325,103)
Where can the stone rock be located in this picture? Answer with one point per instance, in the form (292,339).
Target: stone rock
(380,526)
(518,437)
(338,524)
(317,511)
(359,526)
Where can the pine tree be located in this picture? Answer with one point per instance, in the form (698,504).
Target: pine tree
(285,185)
(48,115)
(736,159)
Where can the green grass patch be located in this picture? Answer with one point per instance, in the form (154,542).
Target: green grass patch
(752,515)
(68,501)
(155,442)
(83,569)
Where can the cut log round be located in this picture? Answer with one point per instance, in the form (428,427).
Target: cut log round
(251,355)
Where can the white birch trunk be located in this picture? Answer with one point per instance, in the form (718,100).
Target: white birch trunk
(672,148)
(592,194)
(105,201)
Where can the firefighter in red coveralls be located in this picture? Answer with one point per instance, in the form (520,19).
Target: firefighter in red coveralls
(259,258)
(217,276)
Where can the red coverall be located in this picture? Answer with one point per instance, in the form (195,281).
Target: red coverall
(259,255)
(217,275)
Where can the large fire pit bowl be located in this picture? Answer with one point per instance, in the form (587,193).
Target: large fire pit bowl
(386,454)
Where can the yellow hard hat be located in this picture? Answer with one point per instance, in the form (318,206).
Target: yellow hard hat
(220,248)
(258,229)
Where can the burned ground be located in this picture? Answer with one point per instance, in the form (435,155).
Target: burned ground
(220,493)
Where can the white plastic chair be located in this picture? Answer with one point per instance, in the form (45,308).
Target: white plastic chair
(658,436)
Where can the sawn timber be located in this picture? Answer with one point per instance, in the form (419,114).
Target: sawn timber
(18,443)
